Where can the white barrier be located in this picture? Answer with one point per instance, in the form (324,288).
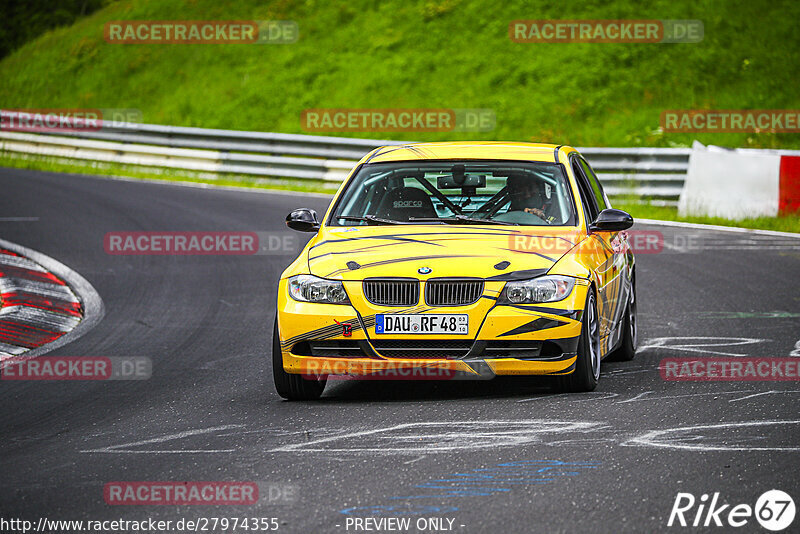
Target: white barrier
(739,183)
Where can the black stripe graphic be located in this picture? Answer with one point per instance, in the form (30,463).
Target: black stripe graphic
(541,323)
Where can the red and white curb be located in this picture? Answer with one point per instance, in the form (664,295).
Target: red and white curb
(40,304)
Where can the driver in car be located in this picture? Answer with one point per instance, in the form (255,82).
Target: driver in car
(528,195)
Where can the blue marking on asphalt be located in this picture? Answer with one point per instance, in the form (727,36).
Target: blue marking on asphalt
(482,482)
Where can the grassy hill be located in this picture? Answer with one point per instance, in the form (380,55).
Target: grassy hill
(432,54)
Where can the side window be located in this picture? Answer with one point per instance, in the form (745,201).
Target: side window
(597,189)
(587,197)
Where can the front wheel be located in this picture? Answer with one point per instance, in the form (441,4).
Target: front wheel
(291,386)
(587,365)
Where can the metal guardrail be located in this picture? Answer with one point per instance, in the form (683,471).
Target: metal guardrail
(657,173)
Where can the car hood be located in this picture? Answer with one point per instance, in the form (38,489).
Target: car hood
(492,252)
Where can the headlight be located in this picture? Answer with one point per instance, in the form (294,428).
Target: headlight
(542,289)
(309,288)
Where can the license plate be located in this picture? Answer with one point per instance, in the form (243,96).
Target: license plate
(422,324)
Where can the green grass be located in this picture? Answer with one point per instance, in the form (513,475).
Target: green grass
(426,53)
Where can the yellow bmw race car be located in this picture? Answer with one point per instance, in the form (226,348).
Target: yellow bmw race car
(454,260)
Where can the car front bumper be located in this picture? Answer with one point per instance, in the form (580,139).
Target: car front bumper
(333,339)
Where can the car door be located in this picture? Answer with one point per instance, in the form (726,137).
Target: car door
(619,246)
(610,272)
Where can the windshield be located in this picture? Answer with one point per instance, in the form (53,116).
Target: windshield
(456,192)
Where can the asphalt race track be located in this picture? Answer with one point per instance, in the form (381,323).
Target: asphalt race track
(496,456)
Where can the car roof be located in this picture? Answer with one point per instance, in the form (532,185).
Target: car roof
(502,150)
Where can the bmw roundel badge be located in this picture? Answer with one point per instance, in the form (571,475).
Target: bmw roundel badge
(424,270)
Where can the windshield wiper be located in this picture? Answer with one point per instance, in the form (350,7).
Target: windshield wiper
(370,219)
(460,219)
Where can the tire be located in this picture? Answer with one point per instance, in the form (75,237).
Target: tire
(630,333)
(290,386)
(587,366)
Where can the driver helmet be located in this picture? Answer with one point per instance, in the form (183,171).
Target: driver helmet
(525,192)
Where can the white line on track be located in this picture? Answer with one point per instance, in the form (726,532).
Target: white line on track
(637,397)
(641,397)
(665,438)
(690,344)
(442,436)
(771,392)
(575,398)
(125,448)
(715,227)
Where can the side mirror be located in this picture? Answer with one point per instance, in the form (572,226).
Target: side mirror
(303,220)
(611,220)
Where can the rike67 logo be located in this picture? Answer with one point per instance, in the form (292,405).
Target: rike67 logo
(774,510)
